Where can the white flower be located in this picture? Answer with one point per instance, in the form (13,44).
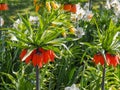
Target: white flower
(1,21)
(88,15)
(78,8)
(73,87)
(117,11)
(17,23)
(80,32)
(107,6)
(33,19)
(79,14)
(86,6)
(114,3)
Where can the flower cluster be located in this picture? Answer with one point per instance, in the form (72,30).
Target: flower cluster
(115,5)
(82,13)
(38,56)
(111,60)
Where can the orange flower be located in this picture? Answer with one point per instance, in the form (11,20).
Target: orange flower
(51,55)
(38,56)
(67,7)
(98,58)
(112,59)
(3,6)
(37,59)
(73,9)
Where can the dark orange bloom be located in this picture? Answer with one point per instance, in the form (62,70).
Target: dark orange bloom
(51,55)
(67,7)
(112,59)
(98,58)
(73,9)
(38,56)
(3,6)
(37,59)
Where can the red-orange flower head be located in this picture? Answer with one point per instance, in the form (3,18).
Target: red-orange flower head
(98,58)
(38,56)
(3,6)
(111,60)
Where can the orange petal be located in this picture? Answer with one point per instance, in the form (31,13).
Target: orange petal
(52,55)
(27,60)
(22,54)
(40,60)
(34,60)
(45,58)
(73,9)
(67,7)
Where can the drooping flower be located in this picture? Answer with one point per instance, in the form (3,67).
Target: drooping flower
(98,58)
(38,56)
(3,6)
(73,9)
(67,7)
(111,60)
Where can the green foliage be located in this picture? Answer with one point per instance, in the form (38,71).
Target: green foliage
(100,33)
(16,81)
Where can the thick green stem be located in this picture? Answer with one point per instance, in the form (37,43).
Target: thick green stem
(37,79)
